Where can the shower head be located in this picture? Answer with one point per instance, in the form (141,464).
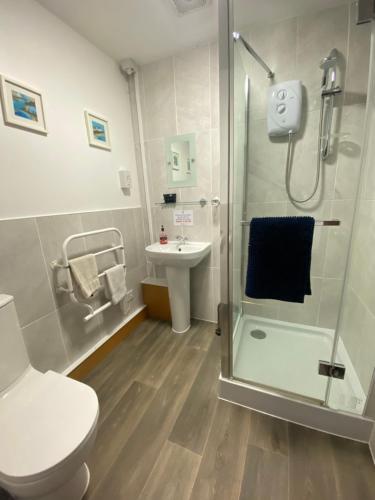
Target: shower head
(329,63)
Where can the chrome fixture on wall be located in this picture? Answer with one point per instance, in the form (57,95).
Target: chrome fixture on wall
(329,89)
(238,37)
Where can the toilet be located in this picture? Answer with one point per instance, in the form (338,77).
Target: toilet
(47,423)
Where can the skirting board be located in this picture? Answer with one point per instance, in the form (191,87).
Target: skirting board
(298,412)
(87,363)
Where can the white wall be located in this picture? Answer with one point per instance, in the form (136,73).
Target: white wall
(60,172)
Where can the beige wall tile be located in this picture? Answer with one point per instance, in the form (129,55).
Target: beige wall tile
(78,335)
(358,60)
(369,184)
(157,171)
(349,146)
(366,352)
(192,83)
(44,344)
(215,161)
(321,212)
(304,165)
(330,303)
(159,99)
(23,273)
(266,166)
(201,293)
(204,170)
(306,313)
(164,216)
(53,230)
(317,34)
(92,221)
(214,84)
(352,324)
(276,44)
(263,310)
(134,278)
(130,222)
(338,239)
(202,229)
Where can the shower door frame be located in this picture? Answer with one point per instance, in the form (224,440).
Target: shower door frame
(293,408)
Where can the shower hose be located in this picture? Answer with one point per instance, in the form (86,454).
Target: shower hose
(322,152)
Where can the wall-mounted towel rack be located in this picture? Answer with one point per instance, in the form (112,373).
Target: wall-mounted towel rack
(333,222)
(119,246)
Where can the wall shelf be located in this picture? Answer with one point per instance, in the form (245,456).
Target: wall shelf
(202,202)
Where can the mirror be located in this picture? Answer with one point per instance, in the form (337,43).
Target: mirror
(181,161)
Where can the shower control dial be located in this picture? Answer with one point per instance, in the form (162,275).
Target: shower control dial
(282,94)
(284,108)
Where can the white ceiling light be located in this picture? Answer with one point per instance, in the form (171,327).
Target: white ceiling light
(184,6)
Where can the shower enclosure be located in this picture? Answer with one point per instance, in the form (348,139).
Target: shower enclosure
(279,353)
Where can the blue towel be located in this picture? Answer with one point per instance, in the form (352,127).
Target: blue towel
(280,258)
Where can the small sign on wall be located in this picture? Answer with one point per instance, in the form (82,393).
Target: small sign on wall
(183,218)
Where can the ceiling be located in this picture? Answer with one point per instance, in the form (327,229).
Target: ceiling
(144,30)
(148,30)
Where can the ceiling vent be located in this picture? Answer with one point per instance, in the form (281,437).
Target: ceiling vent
(185,6)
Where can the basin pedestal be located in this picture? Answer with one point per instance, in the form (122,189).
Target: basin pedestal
(179,297)
(178,258)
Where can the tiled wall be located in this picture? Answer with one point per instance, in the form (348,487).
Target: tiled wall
(52,326)
(293,49)
(179,96)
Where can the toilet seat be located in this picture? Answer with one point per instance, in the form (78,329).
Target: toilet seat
(46,419)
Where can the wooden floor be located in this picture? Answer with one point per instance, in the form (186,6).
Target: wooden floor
(164,435)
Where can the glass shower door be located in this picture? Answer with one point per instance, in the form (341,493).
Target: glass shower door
(240,125)
(277,344)
(355,344)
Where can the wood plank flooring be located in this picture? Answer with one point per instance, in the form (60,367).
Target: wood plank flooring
(164,435)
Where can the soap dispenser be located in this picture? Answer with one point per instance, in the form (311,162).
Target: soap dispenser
(163,236)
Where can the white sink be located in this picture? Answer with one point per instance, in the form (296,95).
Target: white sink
(187,254)
(178,258)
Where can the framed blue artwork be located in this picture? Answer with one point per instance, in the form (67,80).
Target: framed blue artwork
(97,131)
(22,106)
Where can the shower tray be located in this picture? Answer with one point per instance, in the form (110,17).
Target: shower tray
(286,357)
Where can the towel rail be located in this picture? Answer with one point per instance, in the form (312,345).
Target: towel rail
(65,265)
(332,222)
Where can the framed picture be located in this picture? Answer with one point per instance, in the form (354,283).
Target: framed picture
(22,106)
(97,131)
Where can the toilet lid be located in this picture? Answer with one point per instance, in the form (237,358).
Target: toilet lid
(43,420)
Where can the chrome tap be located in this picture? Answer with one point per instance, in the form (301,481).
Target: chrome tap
(181,240)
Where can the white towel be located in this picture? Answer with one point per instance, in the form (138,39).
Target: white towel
(116,286)
(85,272)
